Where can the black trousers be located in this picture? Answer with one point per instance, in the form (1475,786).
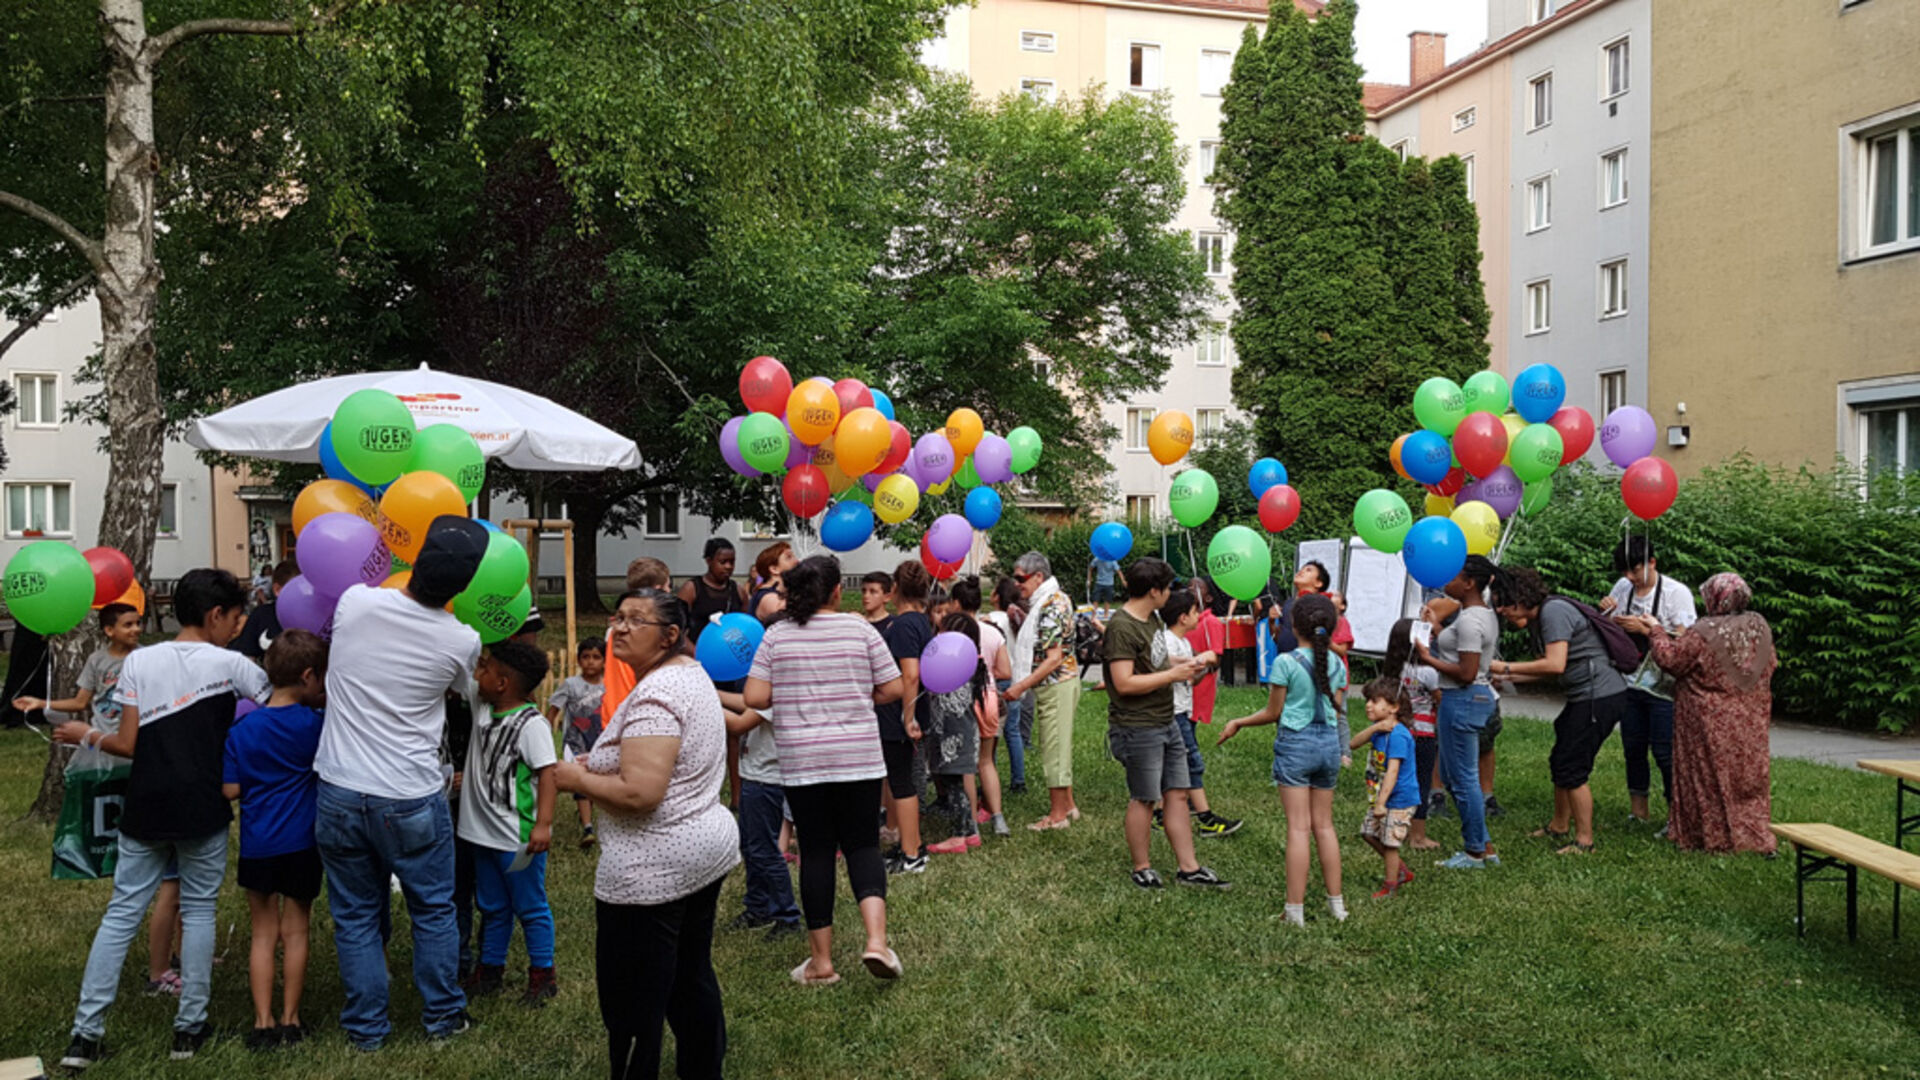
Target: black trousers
(830,816)
(653,964)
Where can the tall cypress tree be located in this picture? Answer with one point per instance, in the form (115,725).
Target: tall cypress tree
(1357,276)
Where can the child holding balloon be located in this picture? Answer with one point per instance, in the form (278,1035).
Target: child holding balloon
(953,738)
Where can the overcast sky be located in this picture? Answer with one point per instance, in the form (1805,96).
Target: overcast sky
(1381,37)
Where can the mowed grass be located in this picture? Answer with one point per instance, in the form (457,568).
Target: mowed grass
(1035,957)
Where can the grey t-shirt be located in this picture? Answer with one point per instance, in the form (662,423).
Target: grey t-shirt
(100,675)
(1475,629)
(759,757)
(1590,672)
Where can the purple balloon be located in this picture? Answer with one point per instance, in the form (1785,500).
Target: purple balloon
(1627,435)
(872,481)
(244,706)
(947,662)
(303,607)
(950,538)
(993,459)
(730,448)
(934,454)
(798,453)
(338,551)
(1500,489)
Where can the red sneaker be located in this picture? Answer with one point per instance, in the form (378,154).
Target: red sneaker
(981,817)
(953,845)
(973,841)
(1385,892)
(1406,875)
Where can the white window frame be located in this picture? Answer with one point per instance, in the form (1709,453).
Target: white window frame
(1609,290)
(1466,118)
(1043,91)
(169,489)
(1535,118)
(1040,41)
(1139,509)
(1209,242)
(1209,158)
(1607,202)
(1543,219)
(1859,180)
(647,512)
(1539,11)
(1219,345)
(1139,420)
(1400,148)
(1151,81)
(1202,430)
(20,401)
(1608,91)
(21,532)
(1603,396)
(1226,76)
(1859,401)
(1467,161)
(1541,325)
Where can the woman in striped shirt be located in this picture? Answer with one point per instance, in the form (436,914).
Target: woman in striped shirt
(822,671)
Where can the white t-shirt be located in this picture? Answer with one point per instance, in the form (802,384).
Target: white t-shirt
(759,755)
(1676,603)
(1178,649)
(392,662)
(501,786)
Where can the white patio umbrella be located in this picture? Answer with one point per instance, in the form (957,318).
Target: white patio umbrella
(512,426)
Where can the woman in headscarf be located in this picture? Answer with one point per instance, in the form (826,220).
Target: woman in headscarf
(1723,669)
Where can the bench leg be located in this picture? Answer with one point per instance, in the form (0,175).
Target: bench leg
(1800,889)
(1853,904)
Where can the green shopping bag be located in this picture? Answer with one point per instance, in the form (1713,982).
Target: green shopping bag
(87,841)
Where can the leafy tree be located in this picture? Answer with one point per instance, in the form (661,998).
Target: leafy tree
(1357,276)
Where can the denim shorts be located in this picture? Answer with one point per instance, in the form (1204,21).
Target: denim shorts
(1309,757)
(1156,760)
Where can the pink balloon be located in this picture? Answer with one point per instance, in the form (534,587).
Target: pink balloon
(950,538)
(947,662)
(338,551)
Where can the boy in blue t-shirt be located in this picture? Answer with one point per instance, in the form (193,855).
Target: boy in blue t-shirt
(1393,782)
(269,768)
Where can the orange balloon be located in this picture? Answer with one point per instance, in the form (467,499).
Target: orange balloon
(135,597)
(862,442)
(1170,437)
(331,496)
(1393,455)
(398,581)
(410,505)
(813,412)
(964,430)
(826,457)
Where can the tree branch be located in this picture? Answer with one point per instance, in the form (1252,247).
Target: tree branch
(158,45)
(60,300)
(86,246)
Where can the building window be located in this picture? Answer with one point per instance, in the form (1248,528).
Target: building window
(1540,101)
(1143,66)
(1468,163)
(1540,306)
(1208,423)
(1613,392)
(1043,370)
(1886,165)
(1213,253)
(1890,439)
(1139,421)
(1465,118)
(1400,149)
(1040,90)
(1140,509)
(1211,351)
(1615,76)
(663,515)
(1613,178)
(38,398)
(1613,288)
(1036,40)
(1216,69)
(169,512)
(35,510)
(1209,158)
(1539,203)
(1539,11)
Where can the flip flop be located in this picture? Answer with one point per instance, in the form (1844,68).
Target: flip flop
(1576,848)
(883,965)
(1546,832)
(1046,824)
(800,976)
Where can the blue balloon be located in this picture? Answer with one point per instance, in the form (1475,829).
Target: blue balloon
(1434,552)
(1111,541)
(727,646)
(848,524)
(882,402)
(1266,473)
(983,507)
(487,525)
(1538,392)
(1426,455)
(330,465)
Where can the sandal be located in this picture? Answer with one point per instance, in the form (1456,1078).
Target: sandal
(801,976)
(1576,848)
(1546,832)
(1046,824)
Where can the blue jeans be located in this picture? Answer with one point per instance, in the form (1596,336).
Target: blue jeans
(504,897)
(1463,713)
(1196,765)
(1647,723)
(769,886)
(136,876)
(364,841)
(1012,733)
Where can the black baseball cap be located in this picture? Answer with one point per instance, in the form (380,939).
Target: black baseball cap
(448,559)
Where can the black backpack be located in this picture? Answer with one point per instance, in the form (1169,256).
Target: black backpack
(1623,652)
(1089,644)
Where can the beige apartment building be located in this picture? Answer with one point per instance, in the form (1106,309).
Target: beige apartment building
(1786,230)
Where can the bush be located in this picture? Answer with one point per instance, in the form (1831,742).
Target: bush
(1835,572)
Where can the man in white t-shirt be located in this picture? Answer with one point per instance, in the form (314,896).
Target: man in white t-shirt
(383,791)
(1643,592)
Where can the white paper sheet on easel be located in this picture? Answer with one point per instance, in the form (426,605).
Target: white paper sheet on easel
(522,859)
(1376,595)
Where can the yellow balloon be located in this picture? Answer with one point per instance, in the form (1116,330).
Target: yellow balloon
(1439,505)
(1170,437)
(964,430)
(862,441)
(1481,524)
(1513,424)
(896,499)
(327,497)
(410,505)
(940,488)
(828,459)
(813,412)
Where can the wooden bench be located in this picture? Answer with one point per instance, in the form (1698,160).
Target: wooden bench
(1821,848)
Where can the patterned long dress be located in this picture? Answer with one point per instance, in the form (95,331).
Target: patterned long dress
(1721,770)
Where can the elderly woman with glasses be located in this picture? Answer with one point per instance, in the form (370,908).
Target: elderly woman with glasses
(1043,663)
(666,844)
(1723,669)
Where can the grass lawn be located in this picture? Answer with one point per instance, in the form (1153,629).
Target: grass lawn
(1035,957)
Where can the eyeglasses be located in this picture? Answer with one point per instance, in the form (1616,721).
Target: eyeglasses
(1024,578)
(621,622)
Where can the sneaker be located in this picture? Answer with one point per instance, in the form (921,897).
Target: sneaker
(462,1023)
(168,984)
(891,853)
(1662,834)
(1203,878)
(1438,806)
(292,1034)
(1463,861)
(901,864)
(1494,809)
(1159,823)
(1212,824)
(981,817)
(973,840)
(746,921)
(782,930)
(1147,879)
(263,1039)
(81,1053)
(1385,891)
(1406,875)
(187,1042)
(542,987)
(587,837)
(1492,859)
(1000,826)
(1019,787)
(485,981)
(953,845)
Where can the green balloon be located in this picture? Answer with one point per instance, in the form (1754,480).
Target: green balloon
(1239,561)
(1440,405)
(968,476)
(373,436)
(1536,452)
(857,493)
(49,587)
(1486,391)
(763,442)
(451,452)
(1381,518)
(1535,496)
(504,567)
(1194,497)
(1026,448)
(495,615)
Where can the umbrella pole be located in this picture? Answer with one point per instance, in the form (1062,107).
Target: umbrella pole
(572,626)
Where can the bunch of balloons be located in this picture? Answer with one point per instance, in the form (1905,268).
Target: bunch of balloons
(50,587)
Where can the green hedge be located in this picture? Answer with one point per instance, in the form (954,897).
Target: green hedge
(1834,564)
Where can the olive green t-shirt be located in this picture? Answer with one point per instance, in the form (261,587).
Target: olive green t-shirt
(1138,640)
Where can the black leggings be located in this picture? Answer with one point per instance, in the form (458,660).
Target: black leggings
(653,963)
(830,816)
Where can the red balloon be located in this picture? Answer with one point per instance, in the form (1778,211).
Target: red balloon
(1649,487)
(853,394)
(941,571)
(1480,442)
(112,574)
(1279,508)
(765,386)
(1575,426)
(805,490)
(1455,480)
(897,452)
